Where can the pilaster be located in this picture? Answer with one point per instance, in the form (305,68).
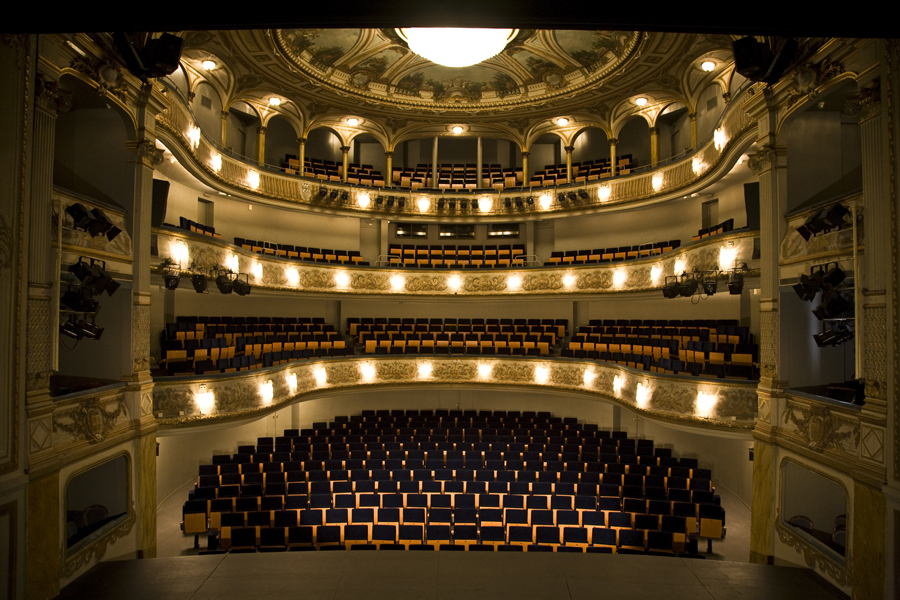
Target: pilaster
(763,504)
(42,539)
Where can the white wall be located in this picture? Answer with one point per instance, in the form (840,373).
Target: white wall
(639,306)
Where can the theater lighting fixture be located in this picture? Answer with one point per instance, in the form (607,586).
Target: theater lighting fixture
(457,130)
(568,280)
(79,300)
(424,370)
(689,286)
(545,201)
(735,283)
(710,285)
(253,179)
(398,282)
(719,139)
(833,306)
(194,136)
(808,286)
(267,392)
(293,276)
(562,121)
(708,65)
(69,328)
(541,375)
(618,384)
(484,371)
(199,282)
(242,287)
(834,335)
(423,204)
(345,195)
(589,377)
(321,376)
(619,277)
(363,200)
(484,204)
(274,101)
(513,282)
(353,121)
(172,281)
(454,282)
(641,101)
(216,160)
(657,181)
(603,192)
(642,395)
(706,402)
(341,279)
(102,225)
(367,370)
(80,215)
(456,47)
(208,65)
(323,191)
(225,282)
(89,330)
(291,379)
(671,287)
(257,269)
(204,400)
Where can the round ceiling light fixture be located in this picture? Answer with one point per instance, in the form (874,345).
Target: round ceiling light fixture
(562,121)
(641,101)
(456,47)
(457,130)
(708,65)
(209,65)
(353,121)
(274,101)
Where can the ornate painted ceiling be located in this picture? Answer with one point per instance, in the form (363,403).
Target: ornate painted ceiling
(372,73)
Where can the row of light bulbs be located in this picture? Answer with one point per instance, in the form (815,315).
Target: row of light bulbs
(706,401)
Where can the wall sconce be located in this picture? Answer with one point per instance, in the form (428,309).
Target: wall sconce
(425,370)
(568,280)
(719,139)
(216,161)
(194,136)
(619,277)
(655,273)
(291,379)
(368,372)
(657,181)
(698,165)
(204,400)
(545,201)
(423,203)
(727,256)
(642,396)
(485,204)
(618,384)
(680,265)
(253,179)
(484,371)
(232,263)
(513,282)
(180,253)
(292,275)
(257,270)
(363,200)
(341,279)
(706,402)
(321,376)
(604,192)
(454,282)
(589,377)
(541,375)
(398,282)
(267,391)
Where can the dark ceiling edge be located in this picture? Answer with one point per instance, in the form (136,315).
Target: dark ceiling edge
(534,14)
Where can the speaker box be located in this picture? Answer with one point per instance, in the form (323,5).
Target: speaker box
(751,59)
(160,199)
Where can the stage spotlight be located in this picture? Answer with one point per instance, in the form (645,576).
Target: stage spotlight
(670,289)
(688,287)
(826,338)
(735,283)
(560,198)
(507,202)
(100,281)
(89,330)
(834,218)
(833,306)
(225,283)
(323,191)
(70,329)
(530,200)
(808,287)
(401,203)
(79,302)
(199,283)
(451,204)
(79,214)
(101,224)
(474,204)
(379,200)
(345,196)
(463,204)
(242,287)
(583,194)
(172,281)
(519,203)
(833,277)
(390,202)
(710,285)
(81,269)
(333,195)
(441,204)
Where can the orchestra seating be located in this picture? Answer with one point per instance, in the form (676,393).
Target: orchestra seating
(197,345)
(309,254)
(607,255)
(449,255)
(453,479)
(517,337)
(708,348)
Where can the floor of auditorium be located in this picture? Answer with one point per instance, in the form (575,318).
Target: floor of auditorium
(179,573)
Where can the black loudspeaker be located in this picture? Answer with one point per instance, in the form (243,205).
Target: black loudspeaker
(162,55)
(160,200)
(751,204)
(751,58)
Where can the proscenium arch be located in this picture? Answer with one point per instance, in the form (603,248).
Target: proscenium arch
(78,81)
(801,106)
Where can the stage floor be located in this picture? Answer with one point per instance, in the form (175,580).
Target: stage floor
(469,575)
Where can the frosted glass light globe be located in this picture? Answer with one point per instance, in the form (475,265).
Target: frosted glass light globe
(456,47)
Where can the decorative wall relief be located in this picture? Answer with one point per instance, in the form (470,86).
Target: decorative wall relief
(236,396)
(6,242)
(485,283)
(674,398)
(738,403)
(598,280)
(400,370)
(342,374)
(370,281)
(95,551)
(820,429)
(871,444)
(453,371)
(40,434)
(140,337)
(90,420)
(426,283)
(875,352)
(768,344)
(565,375)
(814,557)
(38,344)
(516,373)
(542,281)
(315,278)
(173,401)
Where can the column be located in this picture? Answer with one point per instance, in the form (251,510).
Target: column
(345,156)
(693,117)
(301,153)
(389,162)
(526,178)
(434,163)
(654,146)
(478,159)
(613,167)
(261,146)
(43,296)
(569,150)
(224,128)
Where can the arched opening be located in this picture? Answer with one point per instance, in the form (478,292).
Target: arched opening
(546,153)
(323,143)
(710,107)
(591,143)
(242,131)
(281,142)
(367,160)
(673,129)
(207,109)
(633,148)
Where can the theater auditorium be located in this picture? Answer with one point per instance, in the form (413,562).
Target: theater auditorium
(535,312)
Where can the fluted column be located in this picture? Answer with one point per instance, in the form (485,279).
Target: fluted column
(43,299)
(693,118)
(654,146)
(613,167)
(345,160)
(569,150)
(301,142)
(261,146)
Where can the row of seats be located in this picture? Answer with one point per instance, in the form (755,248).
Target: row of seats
(581,171)
(321,255)
(723,227)
(605,255)
(556,327)
(673,366)
(195,227)
(697,330)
